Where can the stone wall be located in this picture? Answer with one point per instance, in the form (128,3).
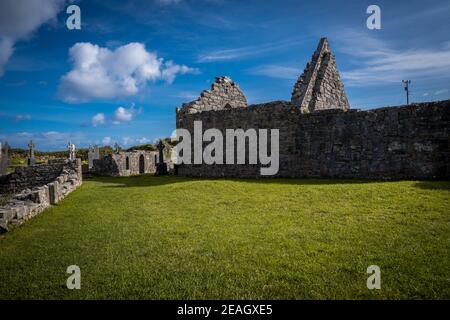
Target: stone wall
(406,142)
(126,163)
(36,188)
(224,94)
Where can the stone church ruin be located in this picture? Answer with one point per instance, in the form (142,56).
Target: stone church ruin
(320,136)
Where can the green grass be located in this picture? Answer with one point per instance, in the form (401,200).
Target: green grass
(176,238)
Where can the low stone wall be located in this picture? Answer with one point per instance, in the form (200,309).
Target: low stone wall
(37,192)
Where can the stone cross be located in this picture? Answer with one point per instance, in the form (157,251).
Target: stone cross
(31,158)
(72,151)
(161,166)
(160,146)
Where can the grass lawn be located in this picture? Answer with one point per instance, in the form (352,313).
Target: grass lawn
(176,238)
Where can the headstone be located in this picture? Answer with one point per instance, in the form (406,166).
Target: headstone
(93,154)
(4,157)
(31,158)
(72,151)
(116,148)
(161,166)
(320,87)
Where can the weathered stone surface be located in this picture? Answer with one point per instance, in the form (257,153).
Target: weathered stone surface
(224,94)
(126,163)
(35,188)
(4,158)
(320,87)
(406,142)
(93,154)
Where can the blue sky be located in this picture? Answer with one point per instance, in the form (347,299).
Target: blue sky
(58,85)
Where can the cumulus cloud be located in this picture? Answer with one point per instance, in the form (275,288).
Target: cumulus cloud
(98,119)
(122,114)
(101,73)
(106,141)
(19,19)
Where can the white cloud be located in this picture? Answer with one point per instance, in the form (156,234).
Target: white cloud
(439,92)
(171,70)
(98,119)
(383,64)
(122,114)
(127,140)
(168,2)
(107,141)
(245,52)
(48,140)
(22,117)
(143,140)
(274,71)
(19,19)
(101,73)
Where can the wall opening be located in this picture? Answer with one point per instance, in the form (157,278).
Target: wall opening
(141,164)
(156,159)
(127,163)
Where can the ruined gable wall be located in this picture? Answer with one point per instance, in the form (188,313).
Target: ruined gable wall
(388,143)
(319,86)
(224,94)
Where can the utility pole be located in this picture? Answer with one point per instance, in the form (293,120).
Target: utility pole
(406,83)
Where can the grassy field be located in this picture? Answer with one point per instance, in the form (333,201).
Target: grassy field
(177,238)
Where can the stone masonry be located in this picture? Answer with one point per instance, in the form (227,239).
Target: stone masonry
(224,94)
(126,163)
(36,188)
(406,142)
(320,87)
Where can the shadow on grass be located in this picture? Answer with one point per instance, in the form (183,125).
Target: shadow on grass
(151,180)
(433,185)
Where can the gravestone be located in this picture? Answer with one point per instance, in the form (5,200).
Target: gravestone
(4,157)
(72,151)
(161,166)
(93,154)
(116,148)
(31,158)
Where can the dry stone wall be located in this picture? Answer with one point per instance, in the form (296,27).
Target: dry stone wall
(36,188)
(406,142)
